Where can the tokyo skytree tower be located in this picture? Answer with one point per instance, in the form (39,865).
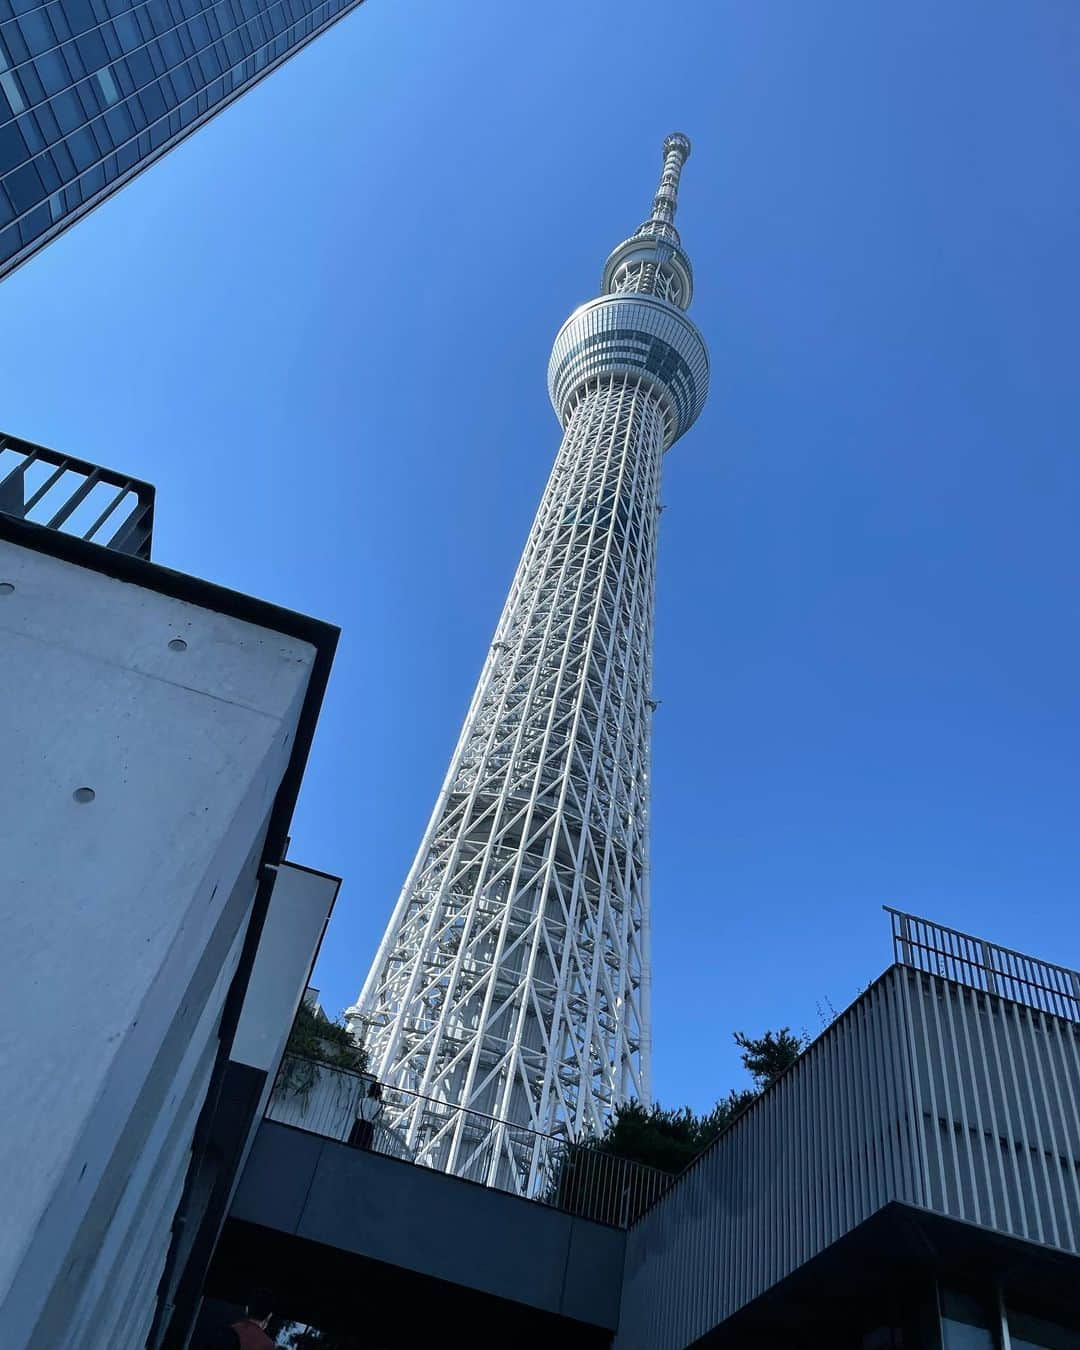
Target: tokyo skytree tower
(513,977)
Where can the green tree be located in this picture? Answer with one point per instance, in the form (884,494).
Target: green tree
(769,1055)
(668,1139)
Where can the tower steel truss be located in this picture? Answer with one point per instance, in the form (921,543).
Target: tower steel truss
(513,977)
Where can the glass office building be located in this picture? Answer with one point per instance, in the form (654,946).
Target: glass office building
(91,91)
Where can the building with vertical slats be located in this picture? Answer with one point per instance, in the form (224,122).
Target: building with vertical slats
(912,1181)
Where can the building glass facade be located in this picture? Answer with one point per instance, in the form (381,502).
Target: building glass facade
(91,91)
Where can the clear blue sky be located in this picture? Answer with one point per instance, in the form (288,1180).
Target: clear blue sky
(321,328)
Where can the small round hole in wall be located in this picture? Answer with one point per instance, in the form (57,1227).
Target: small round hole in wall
(6,587)
(84,794)
(177,645)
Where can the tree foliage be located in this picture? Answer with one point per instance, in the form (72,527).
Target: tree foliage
(769,1055)
(317,1039)
(669,1139)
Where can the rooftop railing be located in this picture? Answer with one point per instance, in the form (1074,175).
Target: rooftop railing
(75,496)
(983,965)
(545,1168)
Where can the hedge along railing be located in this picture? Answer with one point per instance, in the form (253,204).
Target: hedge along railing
(545,1168)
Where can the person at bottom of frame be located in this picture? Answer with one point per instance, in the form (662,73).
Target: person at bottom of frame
(368,1110)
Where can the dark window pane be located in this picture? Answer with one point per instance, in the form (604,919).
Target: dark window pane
(31,135)
(9,242)
(47,123)
(78,14)
(157,58)
(14,44)
(49,177)
(128,32)
(34,224)
(211,66)
(87,93)
(92,49)
(62,159)
(74,60)
(965,1322)
(142,70)
(31,84)
(182,83)
(122,75)
(92,181)
(67,110)
(53,71)
(119,122)
(152,101)
(12,147)
(24,187)
(37,30)
(171,49)
(1035,1333)
(59,21)
(83,148)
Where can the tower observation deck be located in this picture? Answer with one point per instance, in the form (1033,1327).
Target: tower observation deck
(513,977)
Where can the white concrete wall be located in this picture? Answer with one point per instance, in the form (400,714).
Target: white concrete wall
(296,916)
(119,917)
(299,908)
(128,1265)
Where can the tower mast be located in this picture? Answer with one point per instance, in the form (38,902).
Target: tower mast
(513,977)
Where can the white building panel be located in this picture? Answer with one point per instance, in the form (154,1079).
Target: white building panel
(143,740)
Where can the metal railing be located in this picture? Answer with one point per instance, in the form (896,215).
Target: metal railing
(325,1099)
(75,496)
(983,965)
(548,1169)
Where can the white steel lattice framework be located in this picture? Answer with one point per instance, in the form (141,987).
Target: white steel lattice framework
(513,978)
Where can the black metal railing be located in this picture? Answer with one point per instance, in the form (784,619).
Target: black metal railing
(983,965)
(73,495)
(545,1168)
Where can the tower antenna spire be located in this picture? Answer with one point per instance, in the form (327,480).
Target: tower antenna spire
(652,261)
(666,201)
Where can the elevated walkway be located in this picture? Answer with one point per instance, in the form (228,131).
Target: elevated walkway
(402,1253)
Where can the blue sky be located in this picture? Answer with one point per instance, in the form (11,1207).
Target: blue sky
(321,328)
